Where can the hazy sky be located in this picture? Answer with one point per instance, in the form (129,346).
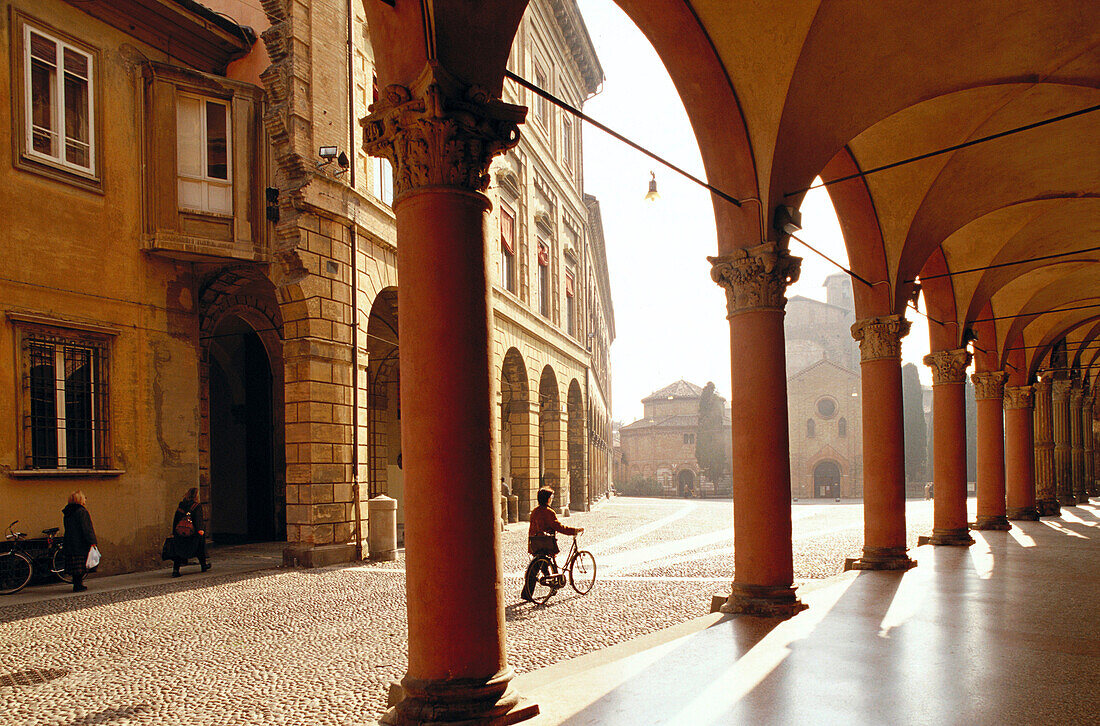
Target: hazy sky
(669,315)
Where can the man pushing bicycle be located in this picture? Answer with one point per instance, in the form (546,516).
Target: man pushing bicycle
(540,535)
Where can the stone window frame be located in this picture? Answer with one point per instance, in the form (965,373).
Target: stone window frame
(32,329)
(25,159)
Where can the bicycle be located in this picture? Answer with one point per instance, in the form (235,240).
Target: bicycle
(17,566)
(546,579)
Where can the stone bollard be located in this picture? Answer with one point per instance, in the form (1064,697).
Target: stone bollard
(513,508)
(382,525)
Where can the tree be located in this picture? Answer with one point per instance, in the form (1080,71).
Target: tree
(710,435)
(916,433)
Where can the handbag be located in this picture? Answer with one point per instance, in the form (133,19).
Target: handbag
(93,558)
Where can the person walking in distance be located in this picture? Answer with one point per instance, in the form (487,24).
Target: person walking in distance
(79,538)
(188,533)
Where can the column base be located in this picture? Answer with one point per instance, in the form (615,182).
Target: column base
(1048,507)
(1023,514)
(1082,498)
(1067,500)
(880,558)
(458,702)
(762,601)
(303,555)
(997,522)
(947,538)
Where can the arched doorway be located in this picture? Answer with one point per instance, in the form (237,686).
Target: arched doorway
(578,484)
(245,505)
(827,479)
(550,436)
(515,430)
(384,404)
(686,481)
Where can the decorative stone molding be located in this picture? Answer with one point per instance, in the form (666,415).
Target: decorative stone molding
(440,132)
(880,338)
(989,384)
(1060,390)
(1019,397)
(755,278)
(948,366)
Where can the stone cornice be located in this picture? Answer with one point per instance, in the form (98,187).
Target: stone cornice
(440,132)
(1018,397)
(755,278)
(880,338)
(989,384)
(948,366)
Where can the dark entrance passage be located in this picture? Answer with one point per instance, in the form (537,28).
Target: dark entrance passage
(686,480)
(827,480)
(243,505)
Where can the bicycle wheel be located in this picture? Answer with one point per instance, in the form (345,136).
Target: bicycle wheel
(57,564)
(15,572)
(537,573)
(582,572)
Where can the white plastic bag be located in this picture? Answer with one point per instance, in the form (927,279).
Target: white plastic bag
(93,558)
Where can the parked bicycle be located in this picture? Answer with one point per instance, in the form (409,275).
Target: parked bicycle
(546,579)
(17,565)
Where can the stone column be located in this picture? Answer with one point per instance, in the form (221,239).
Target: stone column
(1088,438)
(883,444)
(1077,441)
(1063,461)
(1046,489)
(1019,454)
(440,136)
(755,280)
(949,525)
(989,398)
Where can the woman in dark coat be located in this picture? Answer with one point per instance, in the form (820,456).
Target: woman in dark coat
(79,538)
(184,547)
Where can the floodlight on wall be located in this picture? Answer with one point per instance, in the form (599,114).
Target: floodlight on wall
(652,195)
(788,220)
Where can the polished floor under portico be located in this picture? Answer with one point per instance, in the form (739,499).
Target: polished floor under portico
(1004,632)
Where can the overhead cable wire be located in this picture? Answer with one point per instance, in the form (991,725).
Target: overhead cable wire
(565,106)
(1035,315)
(947,150)
(1008,264)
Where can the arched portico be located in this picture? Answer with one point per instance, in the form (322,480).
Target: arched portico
(386,473)
(518,429)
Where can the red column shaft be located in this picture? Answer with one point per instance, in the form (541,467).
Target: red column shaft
(949,459)
(454,580)
(1019,463)
(991,461)
(761,475)
(883,456)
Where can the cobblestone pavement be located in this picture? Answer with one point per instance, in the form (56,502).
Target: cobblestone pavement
(320,646)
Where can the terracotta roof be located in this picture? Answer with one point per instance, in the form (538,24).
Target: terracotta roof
(679,389)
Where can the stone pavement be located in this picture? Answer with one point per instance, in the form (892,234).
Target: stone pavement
(1003,632)
(292,646)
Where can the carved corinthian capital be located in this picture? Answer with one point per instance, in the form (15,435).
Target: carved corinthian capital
(755,278)
(1060,390)
(948,366)
(440,132)
(1018,397)
(880,338)
(990,384)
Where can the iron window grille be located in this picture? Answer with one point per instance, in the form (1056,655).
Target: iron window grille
(65,390)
